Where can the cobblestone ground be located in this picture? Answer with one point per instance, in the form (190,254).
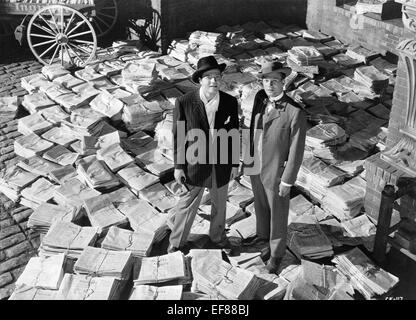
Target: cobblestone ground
(16,241)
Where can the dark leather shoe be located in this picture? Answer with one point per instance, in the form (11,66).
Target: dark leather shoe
(273,264)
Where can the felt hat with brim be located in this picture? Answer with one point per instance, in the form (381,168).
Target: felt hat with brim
(206,64)
(270,69)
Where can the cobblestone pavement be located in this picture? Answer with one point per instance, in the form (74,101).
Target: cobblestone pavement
(16,241)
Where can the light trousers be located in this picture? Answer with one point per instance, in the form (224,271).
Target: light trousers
(187,208)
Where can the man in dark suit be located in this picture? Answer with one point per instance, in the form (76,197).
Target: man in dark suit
(199,162)
(282,130)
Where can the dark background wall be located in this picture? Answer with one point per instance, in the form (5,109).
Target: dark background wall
(182,16)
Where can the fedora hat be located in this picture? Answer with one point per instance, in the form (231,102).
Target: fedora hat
(205,64)
(271,68)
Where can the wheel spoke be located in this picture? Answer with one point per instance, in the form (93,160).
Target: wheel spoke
(43,43)
(72,30)
(54,21)
(79,34)
(69,55)
(70,47)
(102,21)
(80,48)
(69,23)
(62,19)
(54,54)
(50,27)
(62,54)
(49,49)
(83,41)
(105,15)
(98,26)
(42,36)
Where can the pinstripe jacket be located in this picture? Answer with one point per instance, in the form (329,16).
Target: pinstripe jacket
(189,113)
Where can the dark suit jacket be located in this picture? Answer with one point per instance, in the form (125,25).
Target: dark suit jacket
(283,140)
(190,110)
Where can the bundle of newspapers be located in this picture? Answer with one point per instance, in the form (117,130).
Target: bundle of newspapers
(8,107)
(140,114)
(67,237)
(308,241)
(73,192)
(139,77)
(326,134)
(163,132)
(215,277)
(171,268)
(85,287)
(369,279)
(346,200)
(315,176)
(159,197)
(103,214)
(318,282)
(104,263)
(304,56)
(146,292)
(43,272)
(37,101)
(144,218)
(138,243)
(156,161)
(371,78)
(207,43)
(96,174)
(46,214)
(179,49)
(42,190)
(13,179)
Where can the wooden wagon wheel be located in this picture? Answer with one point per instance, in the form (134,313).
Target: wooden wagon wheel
(153,33)
(106,14)
(61,33)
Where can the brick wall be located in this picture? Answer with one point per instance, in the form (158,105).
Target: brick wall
(381,36)
(182,16)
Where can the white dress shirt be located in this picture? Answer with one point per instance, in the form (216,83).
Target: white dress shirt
(211,107)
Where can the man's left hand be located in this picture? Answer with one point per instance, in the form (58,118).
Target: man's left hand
(283,190)
(234,173)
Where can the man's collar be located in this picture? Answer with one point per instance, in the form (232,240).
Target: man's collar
(278,98)
(204,98)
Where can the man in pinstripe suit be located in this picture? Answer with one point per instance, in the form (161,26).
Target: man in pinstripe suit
(198,163)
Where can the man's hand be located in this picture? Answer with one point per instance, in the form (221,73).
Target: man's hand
(234,173)
(179,175)
(283,190)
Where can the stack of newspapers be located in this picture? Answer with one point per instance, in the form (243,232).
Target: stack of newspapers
(143,217)
(102,213)
(13,179)
(140,114)
(43,272)
(47,213)
(69,238)
(146,292)
(367,278)
(215,277)
(138,243)
(96,174)
(85,287)
(104,263)
(42,190)
(171,268)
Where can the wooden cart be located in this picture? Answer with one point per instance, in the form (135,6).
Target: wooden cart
(61,30)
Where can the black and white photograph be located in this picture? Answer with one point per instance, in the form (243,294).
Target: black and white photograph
(207,154)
